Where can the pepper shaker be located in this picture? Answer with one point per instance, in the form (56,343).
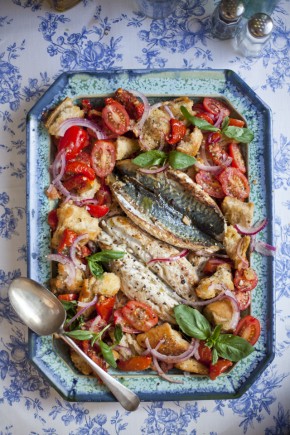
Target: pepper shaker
(254,35)
(226,18)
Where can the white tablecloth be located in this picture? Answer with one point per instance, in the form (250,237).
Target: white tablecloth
(37,44)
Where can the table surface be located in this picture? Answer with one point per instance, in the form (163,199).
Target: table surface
(37,44)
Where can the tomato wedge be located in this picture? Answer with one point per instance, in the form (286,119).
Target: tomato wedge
(115,117)
(218,368)
(103,157)
(249,328)
(205,353)
(215,106)
(245,279)
(210,184)
(68,297)
(73,141)
(139,315)
(177,131)
(134,364)
(243,299)
(80,168)
(66,240)
(234,183)
(105,307)
(96,210)
(238,159)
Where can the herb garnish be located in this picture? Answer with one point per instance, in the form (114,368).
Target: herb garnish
(176,159)
(228,346)
(96,269)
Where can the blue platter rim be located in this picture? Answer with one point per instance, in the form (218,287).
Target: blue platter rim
(229,82)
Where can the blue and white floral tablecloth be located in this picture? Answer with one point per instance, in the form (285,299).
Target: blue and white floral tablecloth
(37,44)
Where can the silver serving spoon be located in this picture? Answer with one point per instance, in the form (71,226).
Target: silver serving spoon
(42,312)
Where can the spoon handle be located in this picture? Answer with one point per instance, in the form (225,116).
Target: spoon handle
(129,400)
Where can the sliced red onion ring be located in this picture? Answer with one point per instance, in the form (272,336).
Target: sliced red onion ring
(58,167)
(88,304)
(155,170)
(162,374)
(66,261)
(172,359)
(173,258)
(196,352)
(81,122)
(87,201)
(219,119)
(263,248)
(60,187)
(236,311)
(85,306)
(208,168)
(252,230)
(145,114)
(73,249)
(168,110)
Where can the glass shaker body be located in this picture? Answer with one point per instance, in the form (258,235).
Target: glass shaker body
(254,35)
(226,18)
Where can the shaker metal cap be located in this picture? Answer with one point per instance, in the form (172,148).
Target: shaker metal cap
(231,10)
(260,25)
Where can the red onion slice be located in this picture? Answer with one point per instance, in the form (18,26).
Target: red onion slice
(85,306)
(81,122)
(162,374)
(208,168)
(173,258)
(168,110)
(88,304)
(66,261)
(155,170)
(172,359)
(73,249)
(252,230)
(263,248)
(58,167)
(194,304)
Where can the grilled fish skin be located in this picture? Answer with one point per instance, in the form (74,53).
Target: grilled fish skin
(179,190)
(139,283)
(180,275)
(151,213)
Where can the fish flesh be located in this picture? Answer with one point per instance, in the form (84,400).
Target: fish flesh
(178,190)
(139,283)
(150,211)
(179,274)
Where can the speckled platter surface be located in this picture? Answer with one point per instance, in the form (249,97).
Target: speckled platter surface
(51,356)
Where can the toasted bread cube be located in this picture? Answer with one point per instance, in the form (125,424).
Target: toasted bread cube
(65,110)
(80,363)
(174,344)
(191,365)
(220,313)
(125,147)
(191,143)
(107,285)
(206,288)
(237,211)
(236,246)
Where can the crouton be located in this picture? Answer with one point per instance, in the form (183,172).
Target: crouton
(191,143)
(207,289)
(237,212)
(107,285)
(65,110)
(191,365)
(77,219)
(175,105)
(87,294)
(155,128)
(80,363)
(89,191)
(173,344)
(125,147)
(61,283)
(220,313)
(236,247)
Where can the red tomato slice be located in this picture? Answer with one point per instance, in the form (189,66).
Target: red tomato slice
(105,307)
(68,297)
(210,184)
(80,168)
(115,117)
(73,141)
(211,265)
(103,157)
(205,116)
(249,328)
(219,155)
(177,131)
(66,240)
(238,160)
(218,368)
(234,183)
(136,363)
(119,319)
(205,353)
(97,211)
(245,279)
(236,122)
(139,315)
(52,219)
(215,106)
(243,299)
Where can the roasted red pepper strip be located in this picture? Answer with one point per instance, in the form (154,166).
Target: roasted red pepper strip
(177,131)
(80,168)
(136,363)
(97,211)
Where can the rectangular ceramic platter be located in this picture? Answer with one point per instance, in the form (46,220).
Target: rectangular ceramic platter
(52,358)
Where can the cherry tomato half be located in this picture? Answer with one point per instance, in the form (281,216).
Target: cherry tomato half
(96,210)
(119,319)
(218,154)
(245,279)
(234,183)
(66,240)
(135,363)
(139,315)
(205,116)
(73,141)
(115,117)
(249,328)
(218,368)
(103,157)
(243,299)
(215,106)
(105,306)
(177,131)
(133,106)
(238,159)
(205,353)
(210,184)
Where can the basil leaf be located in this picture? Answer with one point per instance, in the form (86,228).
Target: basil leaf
(95,268)
(244,135)
(150,158)
(80,334)
(69,305)
(178,160)
(198,122)
(233,347)
(216,333)
(215,356)
(107,354)
(192,322)
(104,256)
(118,333)
(225,122)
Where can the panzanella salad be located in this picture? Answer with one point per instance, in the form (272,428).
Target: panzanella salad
(151,230)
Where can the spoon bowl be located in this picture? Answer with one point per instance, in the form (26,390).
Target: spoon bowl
(44,314)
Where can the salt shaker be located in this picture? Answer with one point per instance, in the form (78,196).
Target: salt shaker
(226,18)
(254,35)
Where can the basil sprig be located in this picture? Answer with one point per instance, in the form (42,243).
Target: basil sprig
(227,346)
(96,269)
(176,159)
(240,134)
(106,350)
